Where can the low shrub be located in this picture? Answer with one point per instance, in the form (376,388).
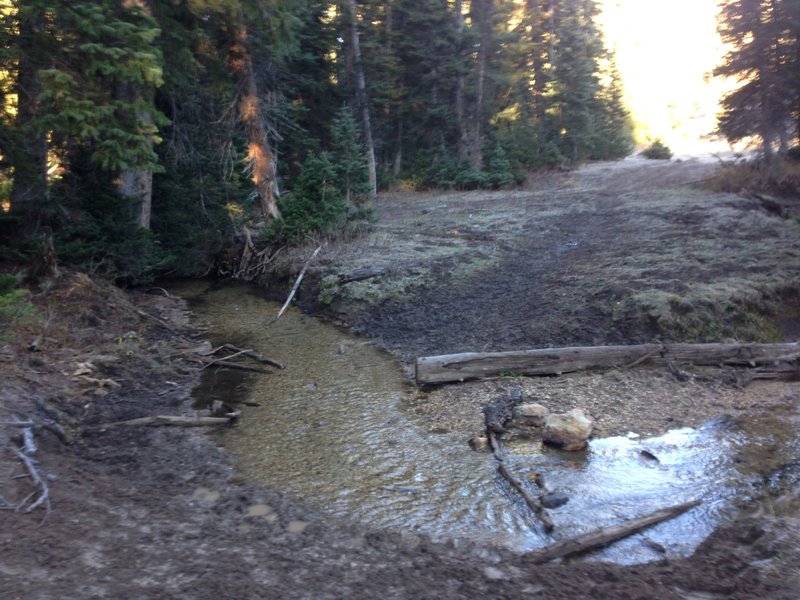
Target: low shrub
(658,150)
(15,308)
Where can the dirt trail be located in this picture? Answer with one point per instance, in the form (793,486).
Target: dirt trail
(159,513)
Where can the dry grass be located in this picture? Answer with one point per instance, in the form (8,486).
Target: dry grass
(782,180)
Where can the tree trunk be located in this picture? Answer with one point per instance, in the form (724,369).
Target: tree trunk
(136,184)
(538,59)
(459,104)
(555,361)
(28,154)
(482,11)
(259,151)
(361,90)
(397,163)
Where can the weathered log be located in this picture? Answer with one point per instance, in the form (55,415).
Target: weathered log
(607,535)
(556,361)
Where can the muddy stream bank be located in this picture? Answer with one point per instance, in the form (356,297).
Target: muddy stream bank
(336,431)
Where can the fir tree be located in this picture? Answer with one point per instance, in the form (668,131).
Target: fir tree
(765,52)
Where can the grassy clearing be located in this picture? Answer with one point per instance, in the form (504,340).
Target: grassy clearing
(635,247)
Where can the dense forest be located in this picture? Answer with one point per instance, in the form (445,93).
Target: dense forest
(152,136)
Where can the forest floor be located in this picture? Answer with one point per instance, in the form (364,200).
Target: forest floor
(617,252)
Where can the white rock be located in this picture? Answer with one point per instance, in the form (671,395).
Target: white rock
(569,431)
(531,414)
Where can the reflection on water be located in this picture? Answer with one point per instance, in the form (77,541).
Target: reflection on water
(331,432)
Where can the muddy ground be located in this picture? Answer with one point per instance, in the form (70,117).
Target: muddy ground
(610,253)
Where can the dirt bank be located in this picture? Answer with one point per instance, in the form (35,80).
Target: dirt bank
(159,513)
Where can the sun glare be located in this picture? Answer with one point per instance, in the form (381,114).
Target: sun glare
(665,53)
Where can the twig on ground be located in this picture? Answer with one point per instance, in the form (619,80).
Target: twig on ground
(28,442)
(38,481)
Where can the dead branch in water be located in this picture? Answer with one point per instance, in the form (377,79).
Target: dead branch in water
(249,354)
(223,364)
(169,420)
(607,535)
(297,282)
(496,415)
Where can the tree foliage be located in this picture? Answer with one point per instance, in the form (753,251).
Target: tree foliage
(764,57)
(235,109)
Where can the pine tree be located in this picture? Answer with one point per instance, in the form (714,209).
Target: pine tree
(765,56)
(70,63)
(348,157)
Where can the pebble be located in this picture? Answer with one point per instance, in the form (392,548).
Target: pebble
(259,510)
(493,573)
(206,495)
(296,526)
(554,499)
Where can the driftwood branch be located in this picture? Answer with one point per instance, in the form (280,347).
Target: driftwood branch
(204,356)
(169,420)
(532,501)
(556,361)
(224,364)
(161,322)
(496,416)
(38,481)
(607,535)
(249,354)
(297,283)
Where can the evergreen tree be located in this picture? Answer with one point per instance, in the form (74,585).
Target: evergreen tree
(348,157)
(70,63)
(764,36)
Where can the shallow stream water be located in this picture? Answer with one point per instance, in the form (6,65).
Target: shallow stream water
(333,432)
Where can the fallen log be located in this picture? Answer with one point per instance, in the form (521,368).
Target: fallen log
(556,361)
(607,535)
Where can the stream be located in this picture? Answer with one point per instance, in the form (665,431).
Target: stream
(333,432)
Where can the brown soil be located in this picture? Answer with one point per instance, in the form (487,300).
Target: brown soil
(158,512)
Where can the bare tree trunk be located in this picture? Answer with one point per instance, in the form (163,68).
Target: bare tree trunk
(397,159)
(137,186)
(482,11)
(28,154)
(538,60)
(259,151)
(462,128)
(136,183)
(397,164)
(361,89)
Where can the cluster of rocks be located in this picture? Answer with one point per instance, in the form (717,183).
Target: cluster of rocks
(569,431)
